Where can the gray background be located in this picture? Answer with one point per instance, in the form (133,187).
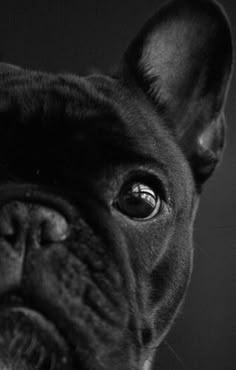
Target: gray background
(77,36)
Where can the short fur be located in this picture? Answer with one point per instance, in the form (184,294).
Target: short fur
(69,144)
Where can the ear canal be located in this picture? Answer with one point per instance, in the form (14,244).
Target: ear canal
(182,59)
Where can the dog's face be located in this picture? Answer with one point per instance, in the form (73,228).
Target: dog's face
(99,185)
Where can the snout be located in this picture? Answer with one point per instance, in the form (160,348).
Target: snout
(25,223)
(30,228)
(61,291)
(26,226)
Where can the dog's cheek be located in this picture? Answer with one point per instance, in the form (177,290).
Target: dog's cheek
(88,285)
(161,257)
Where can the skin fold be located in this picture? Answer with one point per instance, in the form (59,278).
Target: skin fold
(99,186)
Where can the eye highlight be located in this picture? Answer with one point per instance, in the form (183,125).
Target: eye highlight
(139,201)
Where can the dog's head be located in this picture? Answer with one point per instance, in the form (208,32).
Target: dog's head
(99,184)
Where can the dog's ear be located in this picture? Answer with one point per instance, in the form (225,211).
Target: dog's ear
(182,59)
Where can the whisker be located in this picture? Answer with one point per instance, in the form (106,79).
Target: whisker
(202,250)
(171,349)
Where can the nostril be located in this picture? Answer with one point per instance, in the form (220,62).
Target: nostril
(32,224)
(9,228)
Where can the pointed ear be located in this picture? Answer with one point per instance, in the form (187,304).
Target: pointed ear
(182,59)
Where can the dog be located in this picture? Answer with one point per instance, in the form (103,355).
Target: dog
(100,179)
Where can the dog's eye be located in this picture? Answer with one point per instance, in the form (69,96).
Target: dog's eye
(139,201)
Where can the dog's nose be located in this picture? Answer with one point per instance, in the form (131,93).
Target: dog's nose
(22,223)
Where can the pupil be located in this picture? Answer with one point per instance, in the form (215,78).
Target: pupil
(143,192)
(137,207)
(146,198)
(139,201)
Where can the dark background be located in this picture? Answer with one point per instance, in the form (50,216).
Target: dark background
(77,36)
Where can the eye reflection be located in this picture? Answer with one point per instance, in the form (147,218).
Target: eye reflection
(144,192)
(139,201)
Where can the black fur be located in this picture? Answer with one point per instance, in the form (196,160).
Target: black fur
(67,147)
